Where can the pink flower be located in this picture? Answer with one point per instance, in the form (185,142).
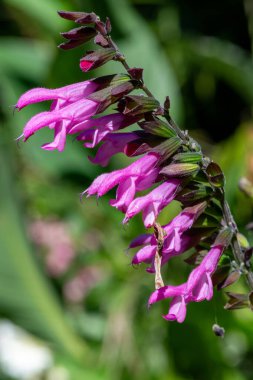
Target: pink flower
(147,253)
(63,95)
(113,143)
(197,288)
(179,225)
(138,176)
(152,203)
(199,283)
(106,124)
(176,240)
(61,120)
(74,105)
(69,107)
(177,310)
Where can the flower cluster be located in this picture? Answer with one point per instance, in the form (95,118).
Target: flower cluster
(170,167)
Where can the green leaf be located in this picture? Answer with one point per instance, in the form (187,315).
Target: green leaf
(25,295)
(29,59)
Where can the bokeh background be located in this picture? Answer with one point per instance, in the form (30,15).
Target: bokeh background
(71,305)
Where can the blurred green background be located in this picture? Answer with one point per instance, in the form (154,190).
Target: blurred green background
(71,305)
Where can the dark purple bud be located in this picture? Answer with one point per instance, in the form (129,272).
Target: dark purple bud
(247,256)
(108,25)
(167,103)
(101,41)
(220,274)
(84,33)
(236,301)
(215,175)
(96,59)
(87,18)
(230,279)
(101,28)
(70,15)
(111,95)
(145,143)
(71,44)
(112,80)
(180,170)
(136,73)
(136,104)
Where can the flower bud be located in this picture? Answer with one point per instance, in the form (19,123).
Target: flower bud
(77,37)
(237,301)
(188,157)
(215,174)
(96,59)
(167,148)
(136,104)
(111,94)
(180,170)
(158,127)
(79,17)
(101,41)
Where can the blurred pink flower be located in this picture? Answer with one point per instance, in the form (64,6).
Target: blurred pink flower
(55,238)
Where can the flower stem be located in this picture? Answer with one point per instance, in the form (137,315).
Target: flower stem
(227,215)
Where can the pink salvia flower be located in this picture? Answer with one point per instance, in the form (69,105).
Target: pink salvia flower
(107,123)
(197,288)
(152,203)
(179,225)
(64,95)
(113,143)
(176,240)
(63,118)
(199,283)
(138,176)
(147,254)
(177,310)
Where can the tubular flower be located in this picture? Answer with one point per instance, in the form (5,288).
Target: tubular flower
(113,143)
(176,241)
(138,176)
(152,203)
(197,288)
(72,105)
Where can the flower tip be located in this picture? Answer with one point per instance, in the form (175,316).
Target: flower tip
(86,65)
(125,220)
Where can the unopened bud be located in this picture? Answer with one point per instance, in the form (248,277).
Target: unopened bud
(215,174)
(79,17)
(188,157)
(136,104)
(180,170)
(96,59)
